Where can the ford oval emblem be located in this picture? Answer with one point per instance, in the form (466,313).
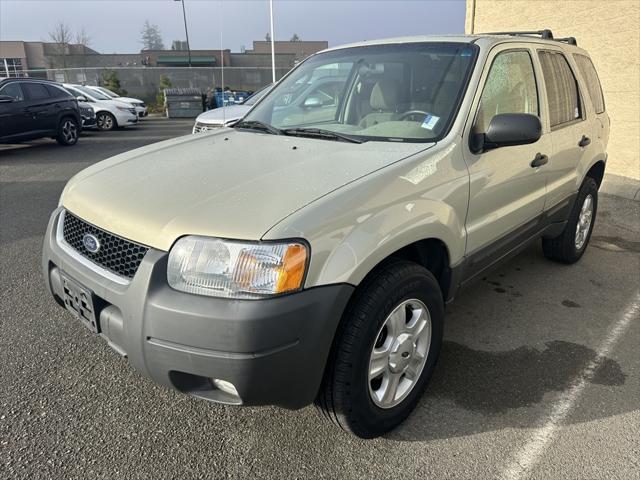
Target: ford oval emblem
(91,243)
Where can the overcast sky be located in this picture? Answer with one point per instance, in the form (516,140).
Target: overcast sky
(114,25)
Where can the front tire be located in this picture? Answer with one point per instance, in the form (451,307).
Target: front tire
(68,132)
(569,246)
(385,350)
(105,121)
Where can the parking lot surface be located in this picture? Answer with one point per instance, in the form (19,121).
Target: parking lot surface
(539,375)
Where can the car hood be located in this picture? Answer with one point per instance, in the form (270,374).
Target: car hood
(229,184)
(220,117)
(128,100)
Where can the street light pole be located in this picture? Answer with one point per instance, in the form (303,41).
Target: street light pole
(273,48)
(186,30)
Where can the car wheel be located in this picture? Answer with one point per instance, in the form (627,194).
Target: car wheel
(106,121)
(571,244)
(68,132)
(385,350)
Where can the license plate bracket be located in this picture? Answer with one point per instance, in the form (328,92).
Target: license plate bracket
(80,301)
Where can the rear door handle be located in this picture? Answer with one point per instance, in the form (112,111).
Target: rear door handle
(540,160)
(584,141)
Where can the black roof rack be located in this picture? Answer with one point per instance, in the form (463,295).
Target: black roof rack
(545,34)
(569,40)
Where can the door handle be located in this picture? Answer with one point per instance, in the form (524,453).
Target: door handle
(539,160)
(584,141)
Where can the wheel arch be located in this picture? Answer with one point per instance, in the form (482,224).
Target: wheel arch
(596,171)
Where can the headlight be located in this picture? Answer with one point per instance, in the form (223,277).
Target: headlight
(230,269)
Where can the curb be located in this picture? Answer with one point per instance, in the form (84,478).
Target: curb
(618,186)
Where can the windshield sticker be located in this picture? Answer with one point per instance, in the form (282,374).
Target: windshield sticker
(430,122)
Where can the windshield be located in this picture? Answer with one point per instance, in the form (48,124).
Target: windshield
(88,92)
(397,92)
(253,99)
(107,92)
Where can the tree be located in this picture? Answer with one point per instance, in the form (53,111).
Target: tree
(165,82)
(61,37)
(111,81)
(83,38)
(295,38)
(151,37)
(267,37)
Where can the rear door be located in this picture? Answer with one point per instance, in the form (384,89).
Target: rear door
(40,107)
(13,117)
(571,130)
(587,70)
(507,194)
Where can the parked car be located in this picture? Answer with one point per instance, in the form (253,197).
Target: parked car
(87,114)
(31,109)
(308,252)
(110,113)
(139,105)
(227,116)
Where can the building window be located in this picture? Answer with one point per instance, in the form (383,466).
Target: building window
(11,67)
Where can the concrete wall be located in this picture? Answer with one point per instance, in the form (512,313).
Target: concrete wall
(610,32)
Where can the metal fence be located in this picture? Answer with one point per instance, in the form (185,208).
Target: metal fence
(144,82)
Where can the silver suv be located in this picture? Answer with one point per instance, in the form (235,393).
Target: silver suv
(307,254)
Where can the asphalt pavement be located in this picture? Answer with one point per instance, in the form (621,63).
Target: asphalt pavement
(539,375)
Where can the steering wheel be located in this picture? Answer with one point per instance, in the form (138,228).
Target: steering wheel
(411,113)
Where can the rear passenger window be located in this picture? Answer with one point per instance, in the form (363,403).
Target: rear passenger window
(510,88)
(562,89)
(35,91)
(590,76)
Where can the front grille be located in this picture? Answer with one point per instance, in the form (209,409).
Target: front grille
(116,254)
(203,127)
(87,112)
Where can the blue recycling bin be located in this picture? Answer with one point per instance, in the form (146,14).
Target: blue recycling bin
(230,98)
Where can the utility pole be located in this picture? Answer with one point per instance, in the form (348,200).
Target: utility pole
(186,30)
(273,46)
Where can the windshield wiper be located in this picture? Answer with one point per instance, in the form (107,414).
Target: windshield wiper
(258,125)
(320,133)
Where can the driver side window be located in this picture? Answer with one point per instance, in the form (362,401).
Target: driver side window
(12,90)
(510,88)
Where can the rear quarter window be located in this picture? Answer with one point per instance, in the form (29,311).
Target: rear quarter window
(563,95)
(588,72)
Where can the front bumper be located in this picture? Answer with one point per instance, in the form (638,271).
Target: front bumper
(273,351)
(88,122)
(125,118)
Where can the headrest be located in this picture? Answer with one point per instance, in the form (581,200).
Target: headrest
(384,95)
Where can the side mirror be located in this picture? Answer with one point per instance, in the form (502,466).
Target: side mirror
(6,99)
(312,102)
(81,98)
(509,129)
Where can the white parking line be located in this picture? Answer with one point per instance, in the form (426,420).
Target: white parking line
(529,455)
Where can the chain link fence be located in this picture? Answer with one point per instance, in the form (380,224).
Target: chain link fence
(144,82)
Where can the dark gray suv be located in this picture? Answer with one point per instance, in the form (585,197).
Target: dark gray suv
(31,109)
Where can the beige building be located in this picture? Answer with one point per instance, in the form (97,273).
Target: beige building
(610,31)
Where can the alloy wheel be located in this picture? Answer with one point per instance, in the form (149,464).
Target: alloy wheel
(399,353)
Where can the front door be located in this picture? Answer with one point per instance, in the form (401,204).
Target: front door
(507,193)
(13,120)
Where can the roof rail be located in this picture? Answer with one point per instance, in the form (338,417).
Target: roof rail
(569,40)
(546,34)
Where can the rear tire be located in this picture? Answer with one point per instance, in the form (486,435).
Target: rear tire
(571,244)
(386,308)
(68,132)
(105,121)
